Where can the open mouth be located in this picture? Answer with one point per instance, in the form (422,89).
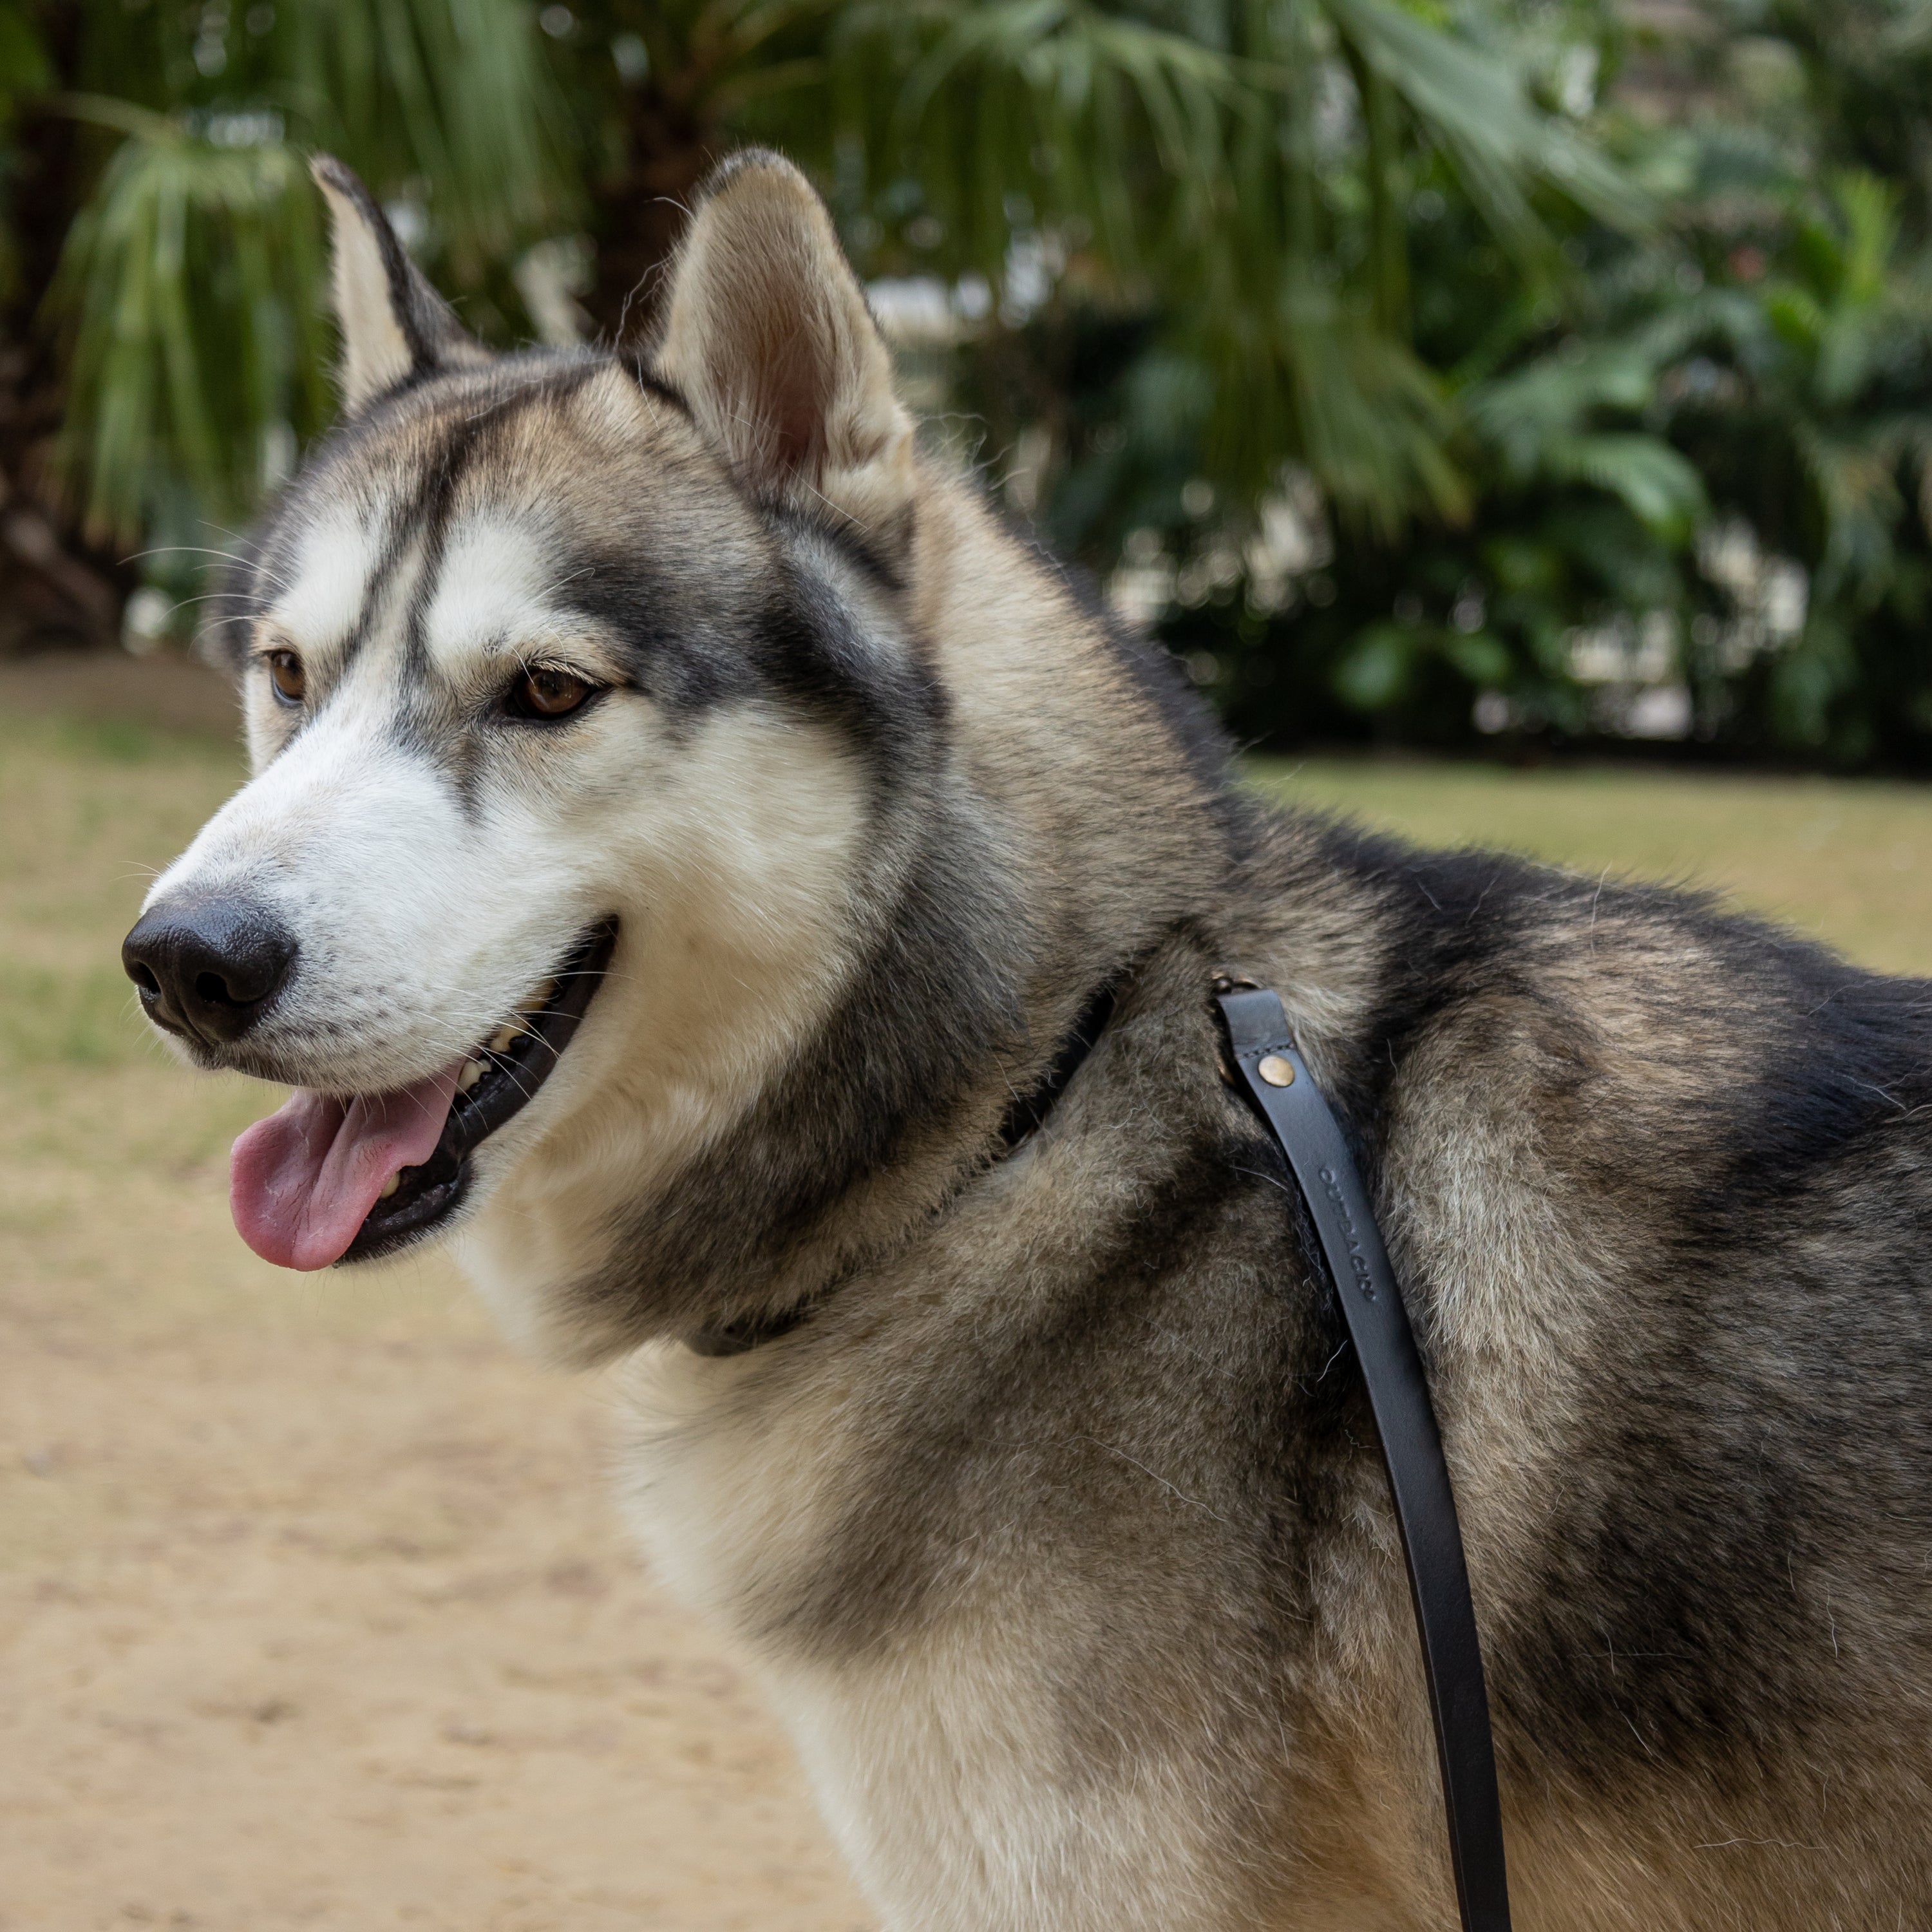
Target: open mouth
(329,1180)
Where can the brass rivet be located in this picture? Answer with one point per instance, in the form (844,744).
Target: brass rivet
(1276,1071)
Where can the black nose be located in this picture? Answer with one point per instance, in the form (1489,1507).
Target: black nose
(207,968)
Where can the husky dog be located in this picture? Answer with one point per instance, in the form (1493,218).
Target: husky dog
(706,867)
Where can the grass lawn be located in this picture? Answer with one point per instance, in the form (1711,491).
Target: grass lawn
(107,769)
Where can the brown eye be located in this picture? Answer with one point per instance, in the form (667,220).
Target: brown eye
(546,692)
(290,680)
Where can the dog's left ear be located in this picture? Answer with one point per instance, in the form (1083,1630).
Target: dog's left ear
(395,327)
(769,340)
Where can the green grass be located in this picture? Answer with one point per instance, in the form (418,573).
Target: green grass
(114,1223)
(90,810)
(49,1018)
(1848,860)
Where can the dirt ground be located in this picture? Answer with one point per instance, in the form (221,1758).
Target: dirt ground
(320,1618)
(314,1609)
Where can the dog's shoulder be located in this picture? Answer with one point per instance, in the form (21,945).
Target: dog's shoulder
(1655,1174)
(1649,1021)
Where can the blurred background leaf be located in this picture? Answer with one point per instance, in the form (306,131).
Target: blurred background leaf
(1520,373)
(186,290)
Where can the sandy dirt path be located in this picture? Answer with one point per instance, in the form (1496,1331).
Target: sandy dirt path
(322,1619)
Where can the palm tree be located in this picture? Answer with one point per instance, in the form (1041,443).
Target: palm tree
(1238,171)
(1226,178)
(164,354)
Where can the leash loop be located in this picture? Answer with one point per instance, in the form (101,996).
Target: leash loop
(1305,1128)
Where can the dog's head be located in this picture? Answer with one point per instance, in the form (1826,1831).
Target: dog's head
(570,686)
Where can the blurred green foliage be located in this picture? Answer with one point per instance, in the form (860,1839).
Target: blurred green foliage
(1540,371)
(1696,456)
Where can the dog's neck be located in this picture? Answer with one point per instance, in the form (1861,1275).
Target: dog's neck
(1047,827)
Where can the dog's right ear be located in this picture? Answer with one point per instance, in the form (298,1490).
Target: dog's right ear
(395,327)
(769,339)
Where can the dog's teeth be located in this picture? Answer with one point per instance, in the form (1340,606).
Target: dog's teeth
(499,1040)
(389,1186)
(540,998)
(472,1071)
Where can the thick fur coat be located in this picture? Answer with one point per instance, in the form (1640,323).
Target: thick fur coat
(1058,1521)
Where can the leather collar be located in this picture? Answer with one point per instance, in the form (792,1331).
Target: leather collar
(1024,1119)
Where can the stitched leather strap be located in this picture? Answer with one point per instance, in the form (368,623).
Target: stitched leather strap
(1438,1578)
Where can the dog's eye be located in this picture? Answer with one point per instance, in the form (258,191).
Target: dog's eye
(546,692)
(286,674)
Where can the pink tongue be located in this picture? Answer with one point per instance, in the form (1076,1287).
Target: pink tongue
(300,1182)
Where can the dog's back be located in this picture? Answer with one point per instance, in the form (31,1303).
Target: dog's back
(1658,1182)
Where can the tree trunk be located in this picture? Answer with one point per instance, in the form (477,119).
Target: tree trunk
(54,588)
(641,212)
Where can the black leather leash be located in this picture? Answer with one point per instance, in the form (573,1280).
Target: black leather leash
(1292,1108)
(1277,1080)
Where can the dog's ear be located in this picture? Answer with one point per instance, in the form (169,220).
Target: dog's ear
(393,326)
(768,337)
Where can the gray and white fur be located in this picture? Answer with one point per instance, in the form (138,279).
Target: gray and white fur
(1057,1522)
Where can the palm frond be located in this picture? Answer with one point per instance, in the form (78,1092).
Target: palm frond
(1660,487)
(1474,105)
(448,93)
(1367,417)
(186,293)
(1184,141)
